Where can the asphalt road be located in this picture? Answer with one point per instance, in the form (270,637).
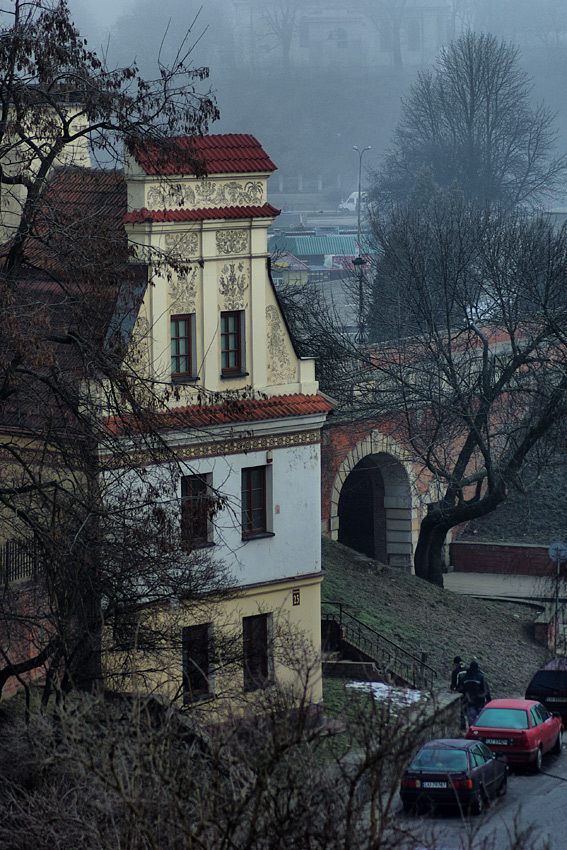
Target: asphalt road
(535,803)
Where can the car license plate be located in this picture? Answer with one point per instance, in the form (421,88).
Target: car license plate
(434,784)
(555,699)
(497,741)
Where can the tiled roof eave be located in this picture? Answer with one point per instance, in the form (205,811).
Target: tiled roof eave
(145,215)
(242,411)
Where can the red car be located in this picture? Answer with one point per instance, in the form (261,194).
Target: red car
(523,730)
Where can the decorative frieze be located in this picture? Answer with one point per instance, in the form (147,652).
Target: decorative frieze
(206,194)
(280,367)
(183,292)
(226,447)
(233,283)
(181,245)
(232,241)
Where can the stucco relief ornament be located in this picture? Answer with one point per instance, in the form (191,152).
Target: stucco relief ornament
(170,197)
(233,194)
(182,244)
(183,292)
(232,241)
(280,367)
(233,284)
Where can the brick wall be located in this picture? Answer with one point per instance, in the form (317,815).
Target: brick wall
(527,560)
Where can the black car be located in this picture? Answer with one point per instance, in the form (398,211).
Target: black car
(453,772)
(549,686)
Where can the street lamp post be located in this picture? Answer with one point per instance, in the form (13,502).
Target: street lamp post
(358,261)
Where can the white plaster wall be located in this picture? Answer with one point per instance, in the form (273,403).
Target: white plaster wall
(295,547)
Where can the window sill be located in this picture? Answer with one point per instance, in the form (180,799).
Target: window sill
(208,545)
(185,379)
(259,535)
(265,685)
(192,699)
(225,375)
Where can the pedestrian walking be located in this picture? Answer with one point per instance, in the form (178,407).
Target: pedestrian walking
(459,667)
(458,671)
(475,690)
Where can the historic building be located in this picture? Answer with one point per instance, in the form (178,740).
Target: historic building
(326,33)
(246,419)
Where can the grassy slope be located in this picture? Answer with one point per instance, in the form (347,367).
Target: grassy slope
(424,618)
(536,516)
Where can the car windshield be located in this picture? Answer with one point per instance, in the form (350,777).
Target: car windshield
(550,680)
(503,718)
(440,759)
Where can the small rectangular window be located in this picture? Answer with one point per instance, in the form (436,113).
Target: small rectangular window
(258,661)
(196,511)
(182,347)
(232,343)
(254,497)
(197,668)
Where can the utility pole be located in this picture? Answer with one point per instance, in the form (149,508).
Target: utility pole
(358,260)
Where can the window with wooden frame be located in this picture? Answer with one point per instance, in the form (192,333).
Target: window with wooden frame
(196,510)
(183,355)
(197,661)
(232,343)
(255,519)
(257,649)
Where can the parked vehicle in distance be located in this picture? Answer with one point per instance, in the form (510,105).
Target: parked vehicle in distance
(549,686)
(351,203)
(453,772)
(523,730)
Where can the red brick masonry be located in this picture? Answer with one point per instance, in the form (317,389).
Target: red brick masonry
(521,559)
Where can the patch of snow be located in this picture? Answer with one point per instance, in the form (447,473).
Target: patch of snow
(396,696)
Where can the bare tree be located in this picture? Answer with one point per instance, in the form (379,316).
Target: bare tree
(69,294)
(107,776)
(388,17)
(469,123)
(470,306)
(281,22)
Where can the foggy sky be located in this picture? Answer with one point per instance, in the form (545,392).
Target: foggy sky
(310,118)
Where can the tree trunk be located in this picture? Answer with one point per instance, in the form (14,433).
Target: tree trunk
(428,559)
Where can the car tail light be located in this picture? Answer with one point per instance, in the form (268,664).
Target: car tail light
(520,740)
(409,783)
(462,784)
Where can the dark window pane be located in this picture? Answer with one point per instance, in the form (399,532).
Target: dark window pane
(196,660)
(195,511)
(256,651)
(181,346)
(254,500)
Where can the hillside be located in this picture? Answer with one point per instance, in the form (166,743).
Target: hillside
(424,618)
(536,515)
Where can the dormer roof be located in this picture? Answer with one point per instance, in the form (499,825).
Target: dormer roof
(229,153)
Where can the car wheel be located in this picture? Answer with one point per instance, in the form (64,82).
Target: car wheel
(556,748)
(503,787)
(536,767)
(477,806)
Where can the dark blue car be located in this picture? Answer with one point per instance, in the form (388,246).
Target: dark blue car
(453,772)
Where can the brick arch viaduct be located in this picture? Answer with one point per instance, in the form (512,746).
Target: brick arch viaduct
(372,494)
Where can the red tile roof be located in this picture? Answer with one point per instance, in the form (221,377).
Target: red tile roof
(231,153)
(145,215)
(231,411)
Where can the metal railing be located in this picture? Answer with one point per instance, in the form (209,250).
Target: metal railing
(389,656)
(18,560)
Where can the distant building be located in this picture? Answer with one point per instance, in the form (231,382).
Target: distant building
(323,33)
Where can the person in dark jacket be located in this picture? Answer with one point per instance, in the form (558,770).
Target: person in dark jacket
(459,667)
(457,673)
(475,690)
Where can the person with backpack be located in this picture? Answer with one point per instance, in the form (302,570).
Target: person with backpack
(475,690)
